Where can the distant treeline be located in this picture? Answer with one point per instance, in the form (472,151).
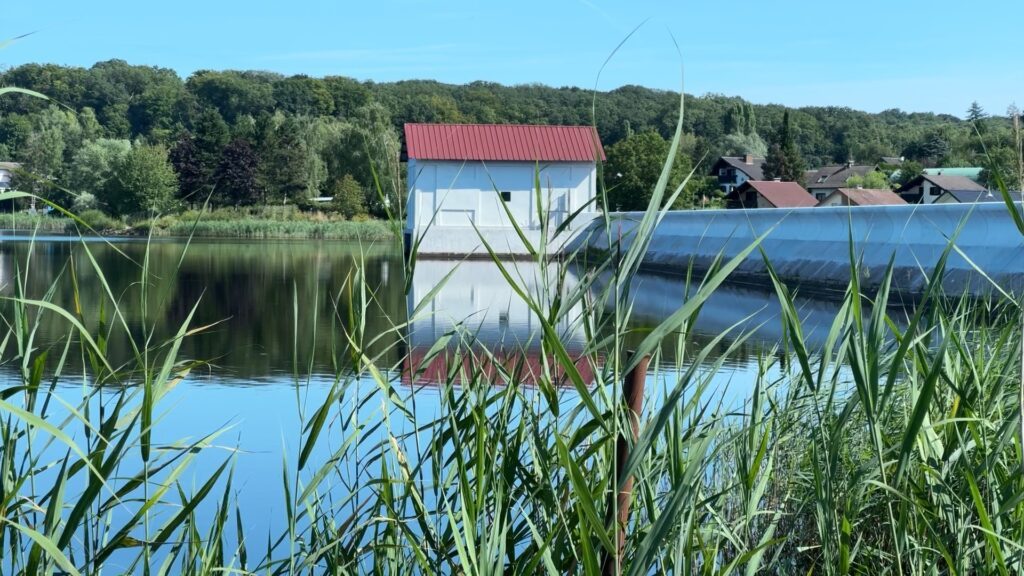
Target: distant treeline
(248,137)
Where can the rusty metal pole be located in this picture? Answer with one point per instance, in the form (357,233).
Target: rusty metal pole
(633,398)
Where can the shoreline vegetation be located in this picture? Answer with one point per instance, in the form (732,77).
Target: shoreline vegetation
(893,447)
(267,223)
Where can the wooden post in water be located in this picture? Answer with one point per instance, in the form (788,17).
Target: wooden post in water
(632,397)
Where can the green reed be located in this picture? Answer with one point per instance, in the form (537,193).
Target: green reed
(891,448)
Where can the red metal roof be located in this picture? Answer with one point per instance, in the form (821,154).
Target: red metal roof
(503,142)
(782,194)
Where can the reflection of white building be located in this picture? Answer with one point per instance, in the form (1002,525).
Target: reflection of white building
(478,307)
(472,180)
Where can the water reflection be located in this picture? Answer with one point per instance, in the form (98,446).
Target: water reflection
(275,306)
(739,310)
(475,305)
(472,305)
(281,308)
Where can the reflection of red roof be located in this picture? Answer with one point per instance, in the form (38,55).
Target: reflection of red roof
(526,365)
(498,142)
(781,194)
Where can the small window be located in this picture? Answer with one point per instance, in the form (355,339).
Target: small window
(934,190)
(820,196)
(506,196)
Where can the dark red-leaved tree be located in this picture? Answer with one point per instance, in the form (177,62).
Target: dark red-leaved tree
(235,180)
(185,158)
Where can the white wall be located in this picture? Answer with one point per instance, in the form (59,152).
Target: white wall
(447,198)
(834,200)
(931,192)
(5,179)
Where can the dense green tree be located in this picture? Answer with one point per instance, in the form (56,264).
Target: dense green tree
(633,168)
(236,176)
(347,94)
(349,197)
(93,165)
(210,135)
(56,134)
(90,125)
(874,180)
(738,144)
(741,119)
(975,113)
(115,121)
(143,182)
(343,126)
(15,130)
(233,93)
(304,96)
(158,107)
(783,160)
(909,170)
(285,169)
(1001,164)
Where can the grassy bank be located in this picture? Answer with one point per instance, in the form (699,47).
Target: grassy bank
(25,222)
(254,223)
(267,228)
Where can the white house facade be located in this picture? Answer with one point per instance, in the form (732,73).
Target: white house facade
(926,188)
(7,170)
(472,184)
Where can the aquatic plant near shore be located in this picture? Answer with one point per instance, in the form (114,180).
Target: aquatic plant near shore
(890,449)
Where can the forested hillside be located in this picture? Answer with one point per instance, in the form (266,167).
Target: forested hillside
(259,137)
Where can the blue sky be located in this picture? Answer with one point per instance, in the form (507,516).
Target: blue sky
(869,54)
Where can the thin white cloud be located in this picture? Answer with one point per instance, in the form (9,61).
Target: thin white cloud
(371,54)
(602,13)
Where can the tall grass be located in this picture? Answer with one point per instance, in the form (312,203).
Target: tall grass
(260,228)
(25,222)
(890,449)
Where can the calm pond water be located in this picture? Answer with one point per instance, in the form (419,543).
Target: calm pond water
(278,310)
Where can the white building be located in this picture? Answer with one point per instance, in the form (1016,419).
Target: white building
(7,170)
(468,181)
(927,188)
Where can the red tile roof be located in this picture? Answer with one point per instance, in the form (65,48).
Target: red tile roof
(782,194)
(503,142)
(869,197)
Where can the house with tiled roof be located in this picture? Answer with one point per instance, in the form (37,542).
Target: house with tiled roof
(823,181)
(927,188)
(769,194)
(975,196)
(472,185)
(862,197)
(733,171)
